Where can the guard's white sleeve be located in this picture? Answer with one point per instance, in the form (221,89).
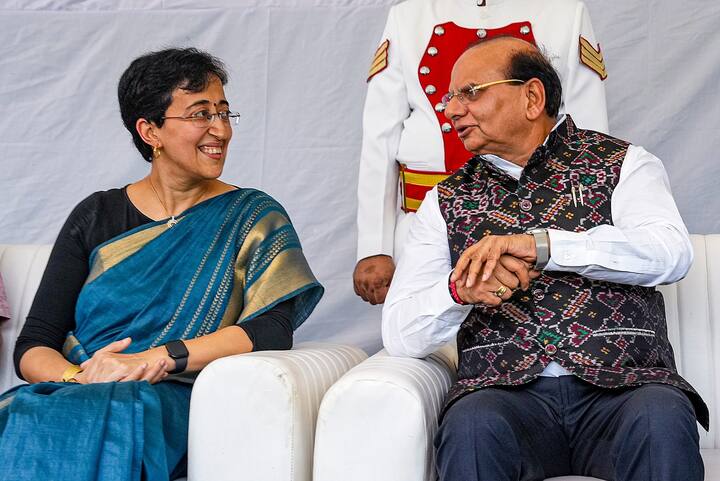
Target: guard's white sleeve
(584,89)
(648,243)
(386,107)
(419,315)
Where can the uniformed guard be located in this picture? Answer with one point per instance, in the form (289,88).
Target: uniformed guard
(408,145)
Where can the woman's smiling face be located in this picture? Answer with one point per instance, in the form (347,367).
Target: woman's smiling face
(196,152)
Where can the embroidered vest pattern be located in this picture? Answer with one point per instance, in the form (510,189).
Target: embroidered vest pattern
(611,335)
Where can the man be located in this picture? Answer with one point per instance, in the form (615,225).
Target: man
(408,145)
(564,362)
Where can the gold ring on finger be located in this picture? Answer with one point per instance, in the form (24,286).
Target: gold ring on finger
(500,291)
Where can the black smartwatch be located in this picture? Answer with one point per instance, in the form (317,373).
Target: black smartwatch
(177,351)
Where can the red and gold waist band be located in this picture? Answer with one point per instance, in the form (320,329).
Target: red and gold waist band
(414,184)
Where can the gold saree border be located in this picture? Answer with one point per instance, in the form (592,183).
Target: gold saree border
(280,279)
(115,252)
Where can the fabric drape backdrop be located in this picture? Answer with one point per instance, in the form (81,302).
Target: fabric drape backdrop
(297,75)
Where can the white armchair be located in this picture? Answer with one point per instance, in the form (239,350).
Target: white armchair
(378,421)
(252,416)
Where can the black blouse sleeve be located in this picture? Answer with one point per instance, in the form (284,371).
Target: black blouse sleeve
(272,330)
(52,313)
(100,217)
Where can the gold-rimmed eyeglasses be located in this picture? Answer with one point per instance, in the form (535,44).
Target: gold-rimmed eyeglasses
(471,92)
(204,118)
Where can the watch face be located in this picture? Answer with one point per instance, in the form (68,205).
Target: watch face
(176,349)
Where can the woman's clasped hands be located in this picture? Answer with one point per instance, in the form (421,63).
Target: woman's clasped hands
(110,364)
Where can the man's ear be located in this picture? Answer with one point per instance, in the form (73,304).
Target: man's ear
(535,92)
(148,132)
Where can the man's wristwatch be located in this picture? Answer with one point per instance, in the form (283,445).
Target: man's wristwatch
(542,247)
(178,351)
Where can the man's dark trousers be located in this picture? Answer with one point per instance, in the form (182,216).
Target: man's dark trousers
(562,426)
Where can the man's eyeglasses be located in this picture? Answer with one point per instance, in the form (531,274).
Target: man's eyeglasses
(472,92)
(204,118)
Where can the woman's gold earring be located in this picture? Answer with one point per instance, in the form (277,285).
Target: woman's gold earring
(156,152)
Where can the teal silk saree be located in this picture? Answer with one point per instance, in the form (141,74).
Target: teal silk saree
(227,260)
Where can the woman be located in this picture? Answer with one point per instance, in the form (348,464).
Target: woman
(153,280)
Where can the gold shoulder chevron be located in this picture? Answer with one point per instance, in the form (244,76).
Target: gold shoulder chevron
(380,61)
(592,57)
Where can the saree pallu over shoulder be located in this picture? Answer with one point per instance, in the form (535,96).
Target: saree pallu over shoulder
(226,261)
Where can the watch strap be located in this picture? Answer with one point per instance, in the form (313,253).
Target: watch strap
(178,351)
(542,248)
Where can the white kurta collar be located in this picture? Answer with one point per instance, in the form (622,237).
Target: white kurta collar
(511,169)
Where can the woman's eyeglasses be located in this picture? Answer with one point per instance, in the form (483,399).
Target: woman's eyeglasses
(204,118)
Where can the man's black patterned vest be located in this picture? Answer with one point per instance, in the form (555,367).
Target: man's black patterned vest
(611,335)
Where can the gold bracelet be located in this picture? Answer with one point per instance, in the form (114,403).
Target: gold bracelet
(70,373)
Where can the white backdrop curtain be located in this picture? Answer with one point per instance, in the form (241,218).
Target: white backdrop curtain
(297,75)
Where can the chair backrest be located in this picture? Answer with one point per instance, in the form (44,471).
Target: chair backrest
(693,315)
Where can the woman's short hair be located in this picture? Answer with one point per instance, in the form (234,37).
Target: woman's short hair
(146,87)
(527,64)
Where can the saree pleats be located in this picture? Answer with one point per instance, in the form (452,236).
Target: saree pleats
(108,431)
(226,261)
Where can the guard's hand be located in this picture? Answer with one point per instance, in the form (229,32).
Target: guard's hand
(372,276)
(485,255)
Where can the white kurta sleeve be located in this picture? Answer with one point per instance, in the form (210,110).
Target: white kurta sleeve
(584,94)
(386,107)
(419,315)
(648,243)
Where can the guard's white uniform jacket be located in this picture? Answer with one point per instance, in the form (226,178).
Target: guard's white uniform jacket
(403,123)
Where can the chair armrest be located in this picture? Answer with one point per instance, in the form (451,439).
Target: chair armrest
(379,420)
(252,416)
